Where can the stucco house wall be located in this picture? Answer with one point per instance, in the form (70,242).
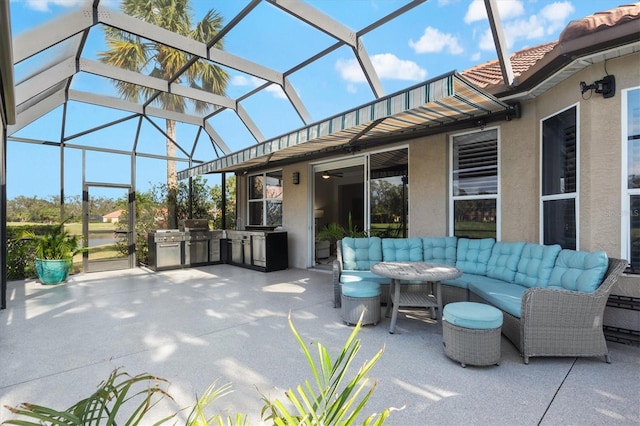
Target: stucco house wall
(295,213)
(428,183)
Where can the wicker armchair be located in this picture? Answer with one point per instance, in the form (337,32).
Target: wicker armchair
(563,323)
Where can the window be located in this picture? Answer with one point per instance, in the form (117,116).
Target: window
(475,187)
(265,199)
(631,197)
(560,179)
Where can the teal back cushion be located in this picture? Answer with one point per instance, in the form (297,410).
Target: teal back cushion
(504,259)
(440,250)
(535,265)
(579,270)
(473,255)
(361,253)
(402,249)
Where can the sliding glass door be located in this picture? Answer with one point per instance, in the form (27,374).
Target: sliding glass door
(364,195)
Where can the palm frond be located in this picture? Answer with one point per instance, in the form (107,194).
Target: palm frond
(331,403)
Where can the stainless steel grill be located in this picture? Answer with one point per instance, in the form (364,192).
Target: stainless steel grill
(165,248)
(167,235)
(196,241)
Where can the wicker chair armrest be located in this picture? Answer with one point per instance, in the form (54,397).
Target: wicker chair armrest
(543,307)
(550,307)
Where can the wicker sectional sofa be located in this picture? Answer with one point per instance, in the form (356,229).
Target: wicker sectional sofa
(552,299)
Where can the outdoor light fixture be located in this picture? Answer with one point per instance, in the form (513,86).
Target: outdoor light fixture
(606,86)
(326,175)
(296,178)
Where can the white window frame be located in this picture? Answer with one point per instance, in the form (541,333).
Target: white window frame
(625,198)
(497,196)
(264,198)
(576,195)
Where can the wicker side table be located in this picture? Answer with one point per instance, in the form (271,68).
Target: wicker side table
(358,297)
(471,333)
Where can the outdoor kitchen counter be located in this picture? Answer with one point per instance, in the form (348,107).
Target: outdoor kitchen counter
(260,250)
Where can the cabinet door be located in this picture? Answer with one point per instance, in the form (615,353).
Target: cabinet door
(258,250)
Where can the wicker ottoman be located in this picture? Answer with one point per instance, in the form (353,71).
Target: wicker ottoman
(471,333)
(358,297)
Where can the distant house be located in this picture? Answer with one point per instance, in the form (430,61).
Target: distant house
(113,217)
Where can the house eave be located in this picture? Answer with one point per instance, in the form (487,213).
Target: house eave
(569,57)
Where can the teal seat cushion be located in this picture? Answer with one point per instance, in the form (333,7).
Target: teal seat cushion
(361,253)
(352,276)
(535,265)
(579,270)
(472,315)
(402,249)
(472,255)
(463,280)
(502,295)
(361,289)
(440,250)
(504,259)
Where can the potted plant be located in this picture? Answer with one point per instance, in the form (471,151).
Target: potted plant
(54,251)
(333,232)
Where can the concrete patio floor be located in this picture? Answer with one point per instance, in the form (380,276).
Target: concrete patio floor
(227,324)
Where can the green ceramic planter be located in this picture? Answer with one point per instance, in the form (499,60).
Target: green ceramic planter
(52,271)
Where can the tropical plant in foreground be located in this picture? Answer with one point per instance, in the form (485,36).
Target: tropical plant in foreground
(139,394)
(130,400)
(335,400)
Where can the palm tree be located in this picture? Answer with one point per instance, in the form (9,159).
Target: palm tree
(144,56)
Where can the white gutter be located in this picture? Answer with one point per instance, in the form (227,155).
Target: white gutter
(572,68)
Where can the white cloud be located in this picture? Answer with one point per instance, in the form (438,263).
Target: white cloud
(43,5)
(486,41)
(558,11)
(551,18)
(556,15)
(387,65)
(507,9)
(253,82)
(276,91)
(239,80)
(434,41)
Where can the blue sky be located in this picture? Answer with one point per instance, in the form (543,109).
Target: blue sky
(434,38)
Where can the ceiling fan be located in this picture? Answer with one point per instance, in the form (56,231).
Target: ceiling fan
(327,175)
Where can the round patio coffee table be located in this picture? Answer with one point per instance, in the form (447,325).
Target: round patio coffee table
(414,271)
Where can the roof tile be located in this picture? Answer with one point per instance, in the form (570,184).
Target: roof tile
(489,73)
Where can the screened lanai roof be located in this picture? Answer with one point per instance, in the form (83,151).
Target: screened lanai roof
(52,59)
